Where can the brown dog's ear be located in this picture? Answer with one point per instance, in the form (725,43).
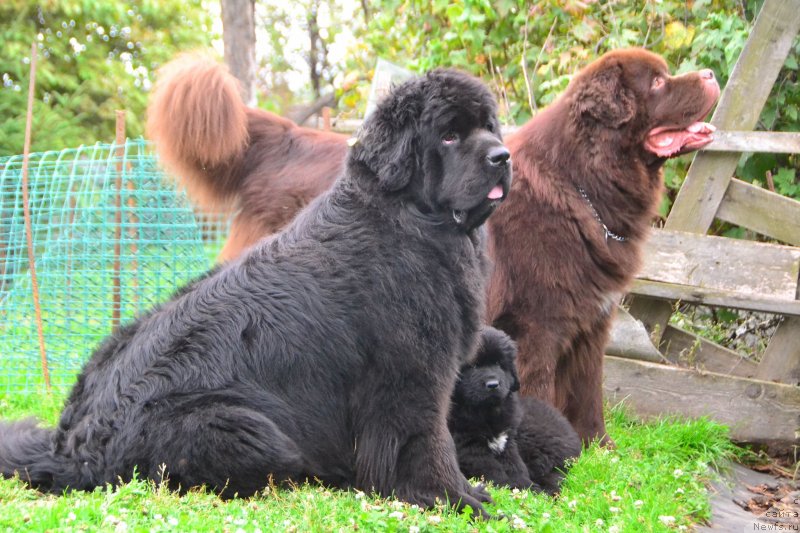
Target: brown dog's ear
(388,141)
(604,97)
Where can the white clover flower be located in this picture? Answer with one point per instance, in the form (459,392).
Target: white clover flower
(667,520)
(546,516)
(517,522)
(122,527)
(435,519)
(71,516)
(614,510)
(572,504)
(397,514)
(613,529)
(599,522)
(615,497)
(677,473)
(413,529)
(638,503)
(359,495)
(172,521)
(679,490)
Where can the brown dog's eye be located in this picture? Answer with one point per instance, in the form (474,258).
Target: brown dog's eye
(657,83)
(449,138)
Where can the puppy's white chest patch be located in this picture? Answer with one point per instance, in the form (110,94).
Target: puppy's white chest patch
(498,444)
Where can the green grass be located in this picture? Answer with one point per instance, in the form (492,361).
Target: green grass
(655,480)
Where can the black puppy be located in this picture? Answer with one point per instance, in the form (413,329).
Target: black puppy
(329,351)
(512,441)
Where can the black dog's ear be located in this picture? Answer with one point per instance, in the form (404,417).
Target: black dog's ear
(388,142)
(605,98)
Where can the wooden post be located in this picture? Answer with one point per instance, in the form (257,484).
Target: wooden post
(749,86)
(26,210)
(133,235)
(116,292)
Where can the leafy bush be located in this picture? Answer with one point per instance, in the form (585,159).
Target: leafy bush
(95,56)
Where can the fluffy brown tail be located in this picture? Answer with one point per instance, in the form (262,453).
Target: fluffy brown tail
(199,124)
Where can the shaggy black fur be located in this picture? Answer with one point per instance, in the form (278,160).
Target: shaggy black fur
(329,351)
(512,441)
(546,441)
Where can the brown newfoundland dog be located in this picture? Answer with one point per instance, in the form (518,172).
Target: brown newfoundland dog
(566,243)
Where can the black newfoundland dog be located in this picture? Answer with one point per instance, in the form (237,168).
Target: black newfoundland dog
(516,442)
(329,351)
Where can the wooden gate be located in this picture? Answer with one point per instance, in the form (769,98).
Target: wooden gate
(761,403)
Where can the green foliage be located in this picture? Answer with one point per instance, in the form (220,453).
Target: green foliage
(655,480)
(94,57)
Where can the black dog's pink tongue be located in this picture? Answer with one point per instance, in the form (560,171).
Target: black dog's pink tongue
(666,142)
(496,192)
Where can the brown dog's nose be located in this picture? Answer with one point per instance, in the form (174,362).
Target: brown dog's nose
(707,74)
(498,156)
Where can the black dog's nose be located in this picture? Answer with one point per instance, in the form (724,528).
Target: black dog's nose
(492,384)
(498,156)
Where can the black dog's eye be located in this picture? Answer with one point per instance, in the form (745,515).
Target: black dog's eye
(657,83)
(449,138)
(490,127)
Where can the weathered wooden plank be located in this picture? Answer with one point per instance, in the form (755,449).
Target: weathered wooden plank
(653,313)
(630,339)
(714,297)
(721,263)
(756,411)
(755,141)
(689,350)
(762,211)
(781,359)
(739,108)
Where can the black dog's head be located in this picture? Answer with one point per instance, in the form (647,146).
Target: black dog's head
(435,142)
(492,376)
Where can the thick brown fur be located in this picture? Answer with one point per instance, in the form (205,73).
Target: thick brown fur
(557,276)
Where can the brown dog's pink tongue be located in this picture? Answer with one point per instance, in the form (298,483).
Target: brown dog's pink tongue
(669,142)
(496,192)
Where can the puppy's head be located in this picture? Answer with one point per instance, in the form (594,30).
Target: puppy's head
(435,143)
(631,97)
(492,376)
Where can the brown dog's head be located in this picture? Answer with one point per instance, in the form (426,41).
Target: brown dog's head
(631,94)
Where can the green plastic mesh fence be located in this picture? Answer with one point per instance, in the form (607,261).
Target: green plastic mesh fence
(85,247)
